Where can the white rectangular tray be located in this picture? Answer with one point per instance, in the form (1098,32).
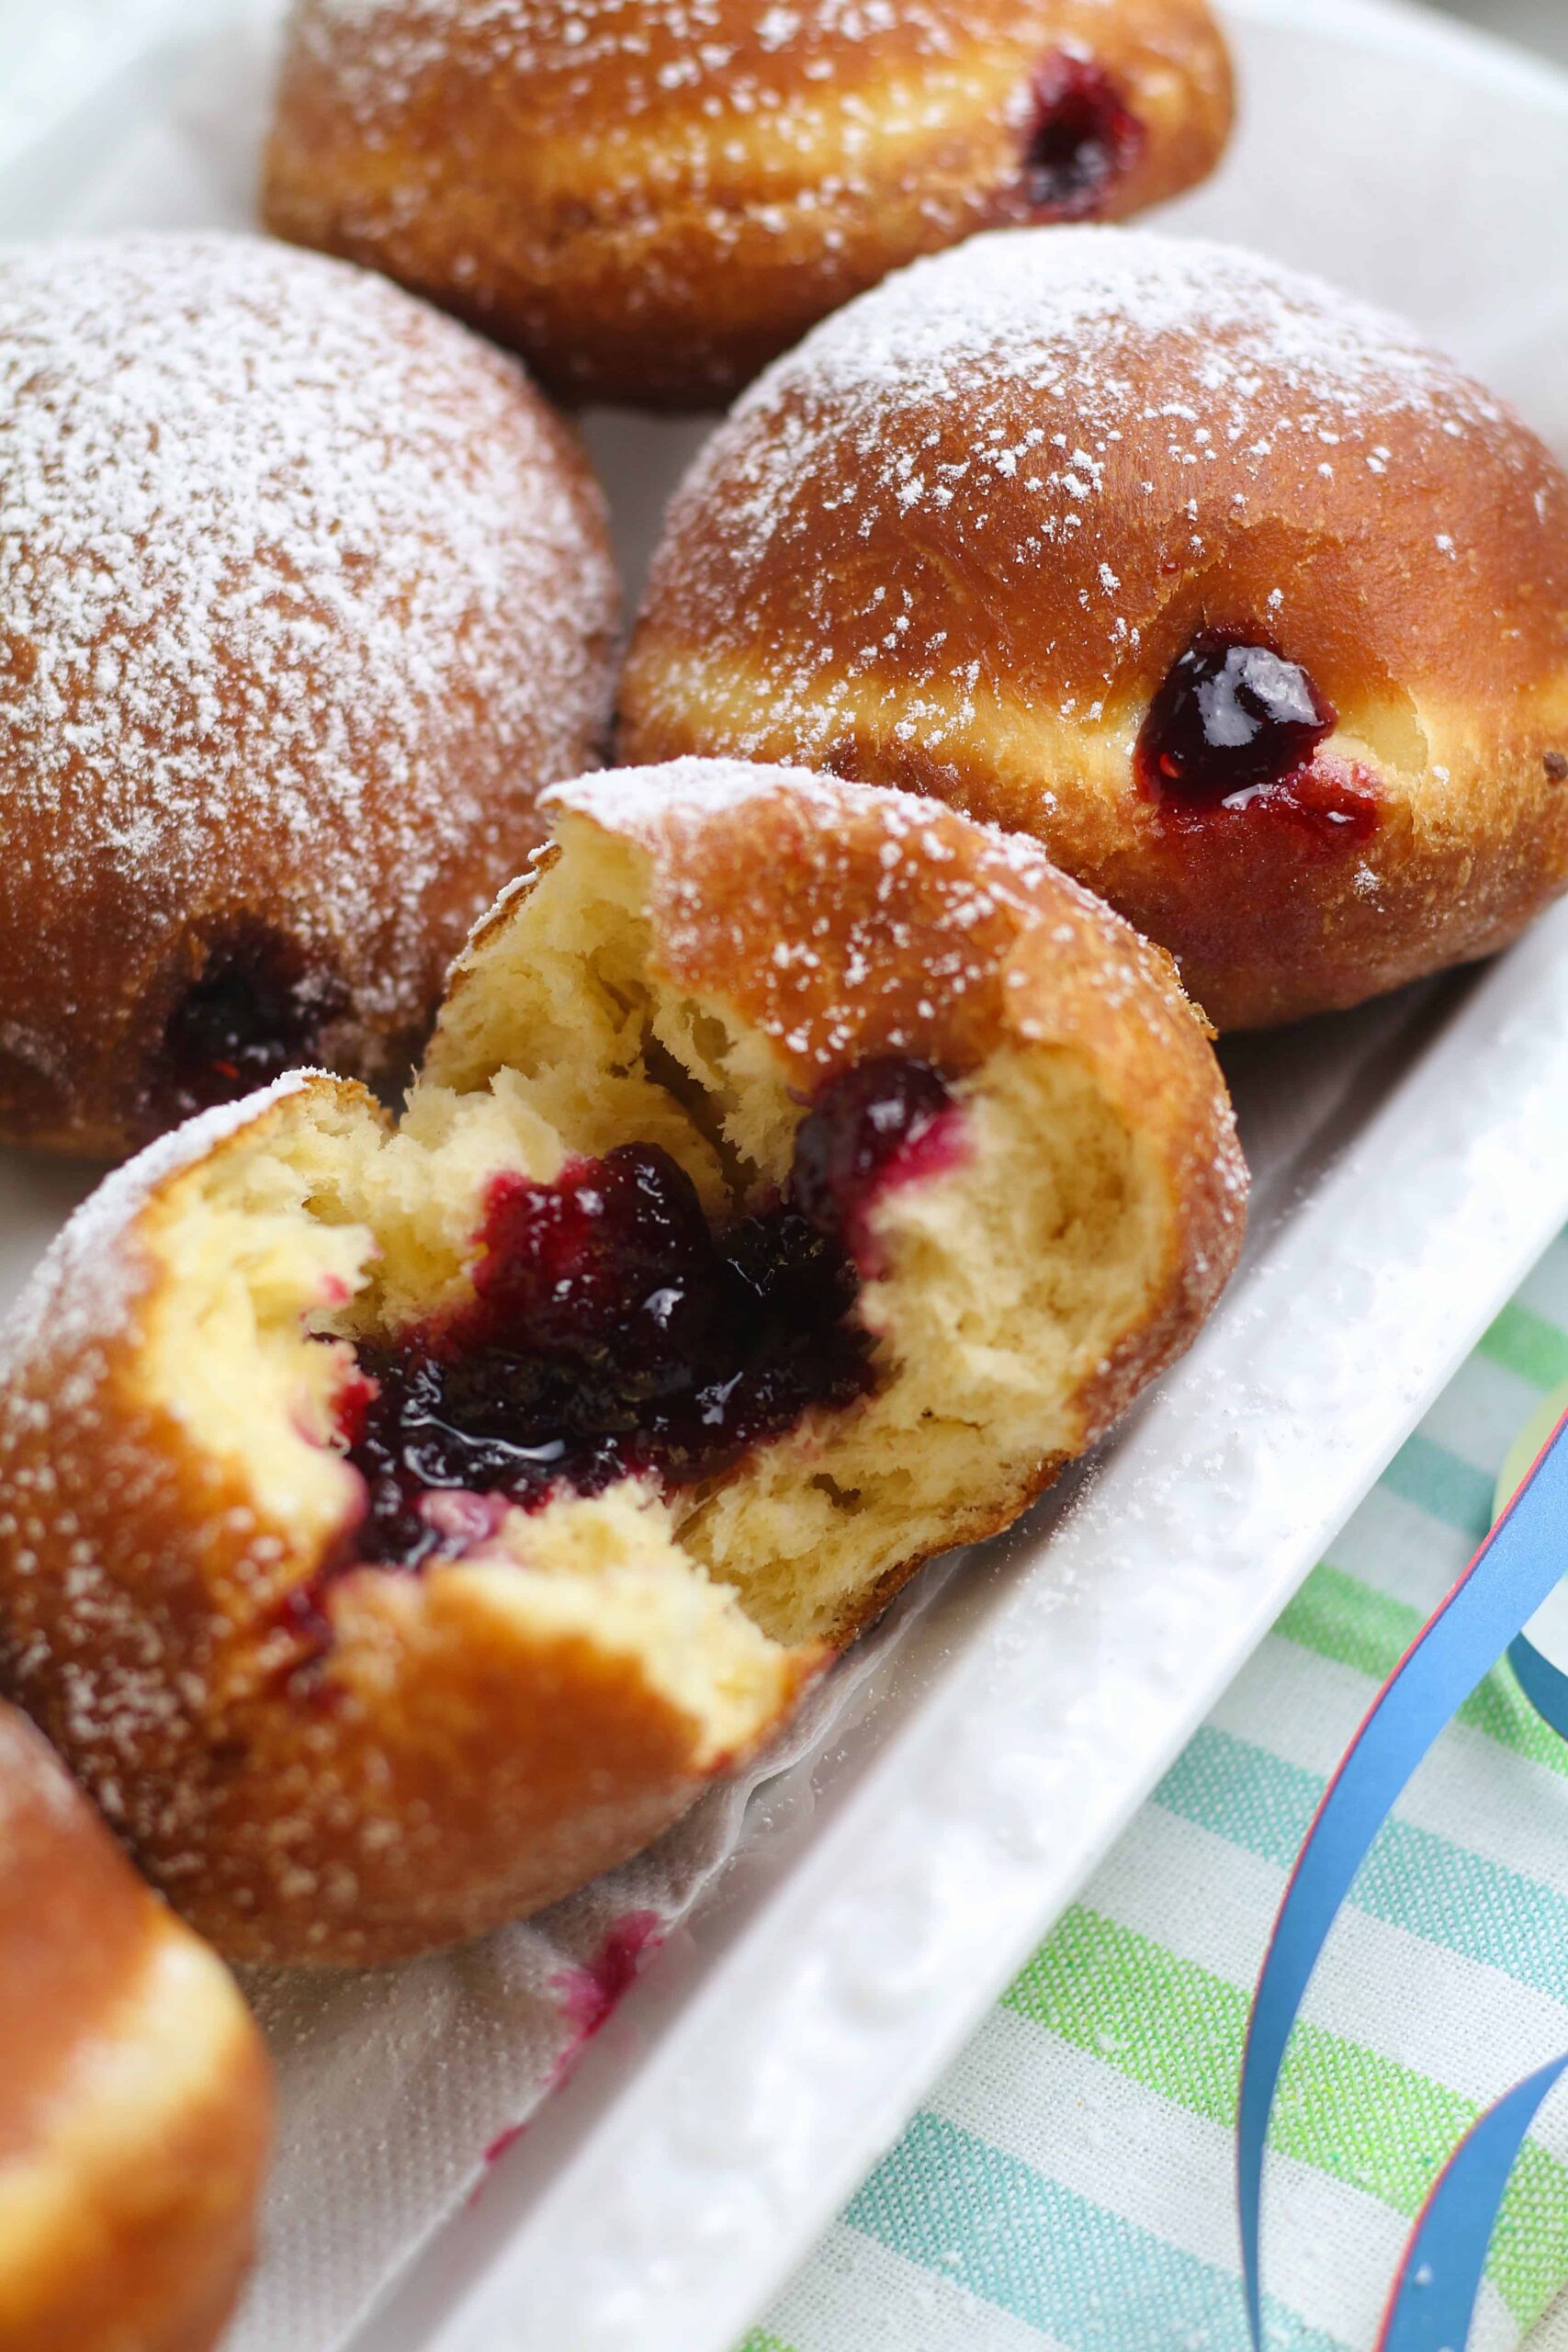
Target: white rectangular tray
(1409,1161)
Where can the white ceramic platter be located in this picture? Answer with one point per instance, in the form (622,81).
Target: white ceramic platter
(1409,1161)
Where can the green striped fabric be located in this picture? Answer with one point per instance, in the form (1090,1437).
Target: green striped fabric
(1069,2183)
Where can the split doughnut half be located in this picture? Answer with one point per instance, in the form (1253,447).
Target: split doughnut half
(400,1524)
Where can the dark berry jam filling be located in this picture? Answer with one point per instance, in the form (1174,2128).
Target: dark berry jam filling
(876,1115)
(1080,141)
(613,1331)
(1230,714)
(1236,727)
(249,1016)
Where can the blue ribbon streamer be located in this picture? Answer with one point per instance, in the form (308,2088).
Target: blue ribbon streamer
(1434,2294)
(1518,1568)
(1543,1684)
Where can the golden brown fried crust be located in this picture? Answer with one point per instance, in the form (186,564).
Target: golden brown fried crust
(970,578)
(358,607)
(396,1764)
(652,209)
(126,2212)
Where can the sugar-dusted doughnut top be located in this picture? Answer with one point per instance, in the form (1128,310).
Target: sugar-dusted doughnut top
(651,198)
(1248,604)
(303,593)
(670,57)
(665,52)
(1062,438)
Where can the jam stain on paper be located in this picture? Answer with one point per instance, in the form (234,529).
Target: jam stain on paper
(591,1994)
(588,1996)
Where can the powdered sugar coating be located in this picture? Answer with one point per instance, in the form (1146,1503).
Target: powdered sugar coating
(302,594)
(702,50)
(1259,364)
(648,803)
(1022,302)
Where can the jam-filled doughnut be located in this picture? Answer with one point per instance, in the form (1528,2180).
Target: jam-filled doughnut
(304,593)
(650,199)
(1252,608)
(402,1525)
(136,2108)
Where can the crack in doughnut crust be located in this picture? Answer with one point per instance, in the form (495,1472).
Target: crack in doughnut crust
(899,1041)
(136,2106)
(304,594)
(650,199)
(965,538)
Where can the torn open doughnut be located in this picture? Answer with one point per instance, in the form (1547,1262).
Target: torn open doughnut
(649,199)
(304,595)
(404,1523)
(137,2105)
(1252,608)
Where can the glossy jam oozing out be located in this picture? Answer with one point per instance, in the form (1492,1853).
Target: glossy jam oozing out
(1081,139)
(249,1017)
(613,1331)
(1235,728)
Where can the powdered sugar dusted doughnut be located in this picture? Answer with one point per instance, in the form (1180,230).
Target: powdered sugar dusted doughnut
(1251,607)
(398,1526)
(649,199)
(135,2118)
(303,594)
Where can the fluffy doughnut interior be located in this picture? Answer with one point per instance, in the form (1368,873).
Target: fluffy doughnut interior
(988,1280)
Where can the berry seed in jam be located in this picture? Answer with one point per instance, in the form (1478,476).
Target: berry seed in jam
(1081,139)
(613,1331)
(246,1019)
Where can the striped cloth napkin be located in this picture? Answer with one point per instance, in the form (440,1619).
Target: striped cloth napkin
(1068,2184)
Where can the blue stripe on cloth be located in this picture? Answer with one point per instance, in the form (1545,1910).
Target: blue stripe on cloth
(1442,1486)
(1412,1879)
(1025,2244)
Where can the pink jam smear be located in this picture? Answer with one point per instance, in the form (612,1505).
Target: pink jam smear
(589,1995)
